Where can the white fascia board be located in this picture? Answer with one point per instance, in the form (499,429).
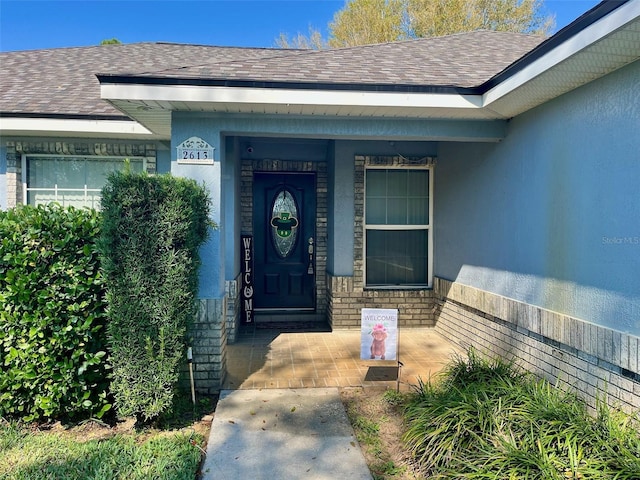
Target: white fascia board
(281,96)
(9,125)
(590,35)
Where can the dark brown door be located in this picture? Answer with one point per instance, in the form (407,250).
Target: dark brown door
(284,219)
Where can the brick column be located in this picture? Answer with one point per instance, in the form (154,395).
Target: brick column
(209,342)
(14,176)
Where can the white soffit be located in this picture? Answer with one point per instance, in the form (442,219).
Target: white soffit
(282,96)
(151,105)
(73,127)
(604,46)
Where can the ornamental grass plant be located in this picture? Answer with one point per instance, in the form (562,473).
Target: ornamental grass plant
(483,418)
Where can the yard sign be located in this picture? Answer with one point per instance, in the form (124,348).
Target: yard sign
(379,334)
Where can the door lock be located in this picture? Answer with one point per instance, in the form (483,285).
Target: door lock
(310,250)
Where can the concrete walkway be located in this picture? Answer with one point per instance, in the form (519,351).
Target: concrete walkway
(283,434)
(280,416)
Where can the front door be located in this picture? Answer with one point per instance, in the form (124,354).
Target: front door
(284,219)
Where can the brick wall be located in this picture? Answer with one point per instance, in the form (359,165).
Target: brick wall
(416,308)
(14,174)
(208,337)
(586,357)
(233,308)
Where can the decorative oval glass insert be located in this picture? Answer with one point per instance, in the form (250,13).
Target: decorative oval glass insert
(284,222)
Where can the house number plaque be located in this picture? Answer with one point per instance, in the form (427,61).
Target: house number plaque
(196,151)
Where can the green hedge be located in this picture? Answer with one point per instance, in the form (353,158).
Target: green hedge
(153,227)
(52,314)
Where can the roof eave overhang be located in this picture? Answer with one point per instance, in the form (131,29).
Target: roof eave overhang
(281,100)
(18,125)
(527,83)
(554,68)
(152,104)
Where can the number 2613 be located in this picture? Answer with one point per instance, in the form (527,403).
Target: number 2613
(195,155)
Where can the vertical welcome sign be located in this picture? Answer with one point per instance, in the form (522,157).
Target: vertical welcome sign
(379,334)
(247,278)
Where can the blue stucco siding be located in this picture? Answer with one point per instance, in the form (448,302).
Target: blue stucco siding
(341,206)
(353,136)
(549,216)
(211,283)
(163,161)
(342,128)
(231,176)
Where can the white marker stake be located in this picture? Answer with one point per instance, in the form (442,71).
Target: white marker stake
(190,362)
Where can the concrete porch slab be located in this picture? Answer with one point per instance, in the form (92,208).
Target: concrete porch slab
(264,358)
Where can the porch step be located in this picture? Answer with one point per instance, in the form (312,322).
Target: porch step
(290,322)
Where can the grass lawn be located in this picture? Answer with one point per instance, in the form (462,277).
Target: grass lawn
(37,456)
(171,450)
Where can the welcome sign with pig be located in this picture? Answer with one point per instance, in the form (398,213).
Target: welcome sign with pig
(379,334)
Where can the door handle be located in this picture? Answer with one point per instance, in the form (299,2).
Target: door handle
(310,250)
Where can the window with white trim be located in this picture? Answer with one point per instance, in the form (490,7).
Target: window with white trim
(71,180)
(398,227)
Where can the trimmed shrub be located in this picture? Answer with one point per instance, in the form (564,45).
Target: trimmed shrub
(153,227)
(52,314)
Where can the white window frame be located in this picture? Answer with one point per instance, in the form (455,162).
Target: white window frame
(26,189)
(428,227)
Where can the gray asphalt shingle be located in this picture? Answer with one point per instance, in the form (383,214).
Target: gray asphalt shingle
(461,60)
(63,81)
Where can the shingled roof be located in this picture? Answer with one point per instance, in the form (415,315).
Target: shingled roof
(63,82)
(462,60)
